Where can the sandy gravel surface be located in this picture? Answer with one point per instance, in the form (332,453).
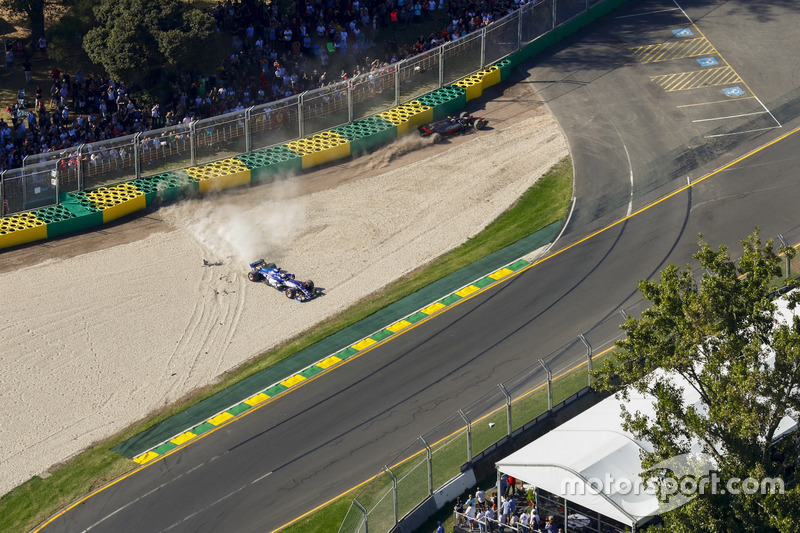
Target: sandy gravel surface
(97,335)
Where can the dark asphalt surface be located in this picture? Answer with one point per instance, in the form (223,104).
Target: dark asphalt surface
(328,436)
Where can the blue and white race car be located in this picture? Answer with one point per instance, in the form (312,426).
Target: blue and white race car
(281,280)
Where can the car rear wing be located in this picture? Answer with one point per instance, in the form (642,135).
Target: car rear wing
(257,263)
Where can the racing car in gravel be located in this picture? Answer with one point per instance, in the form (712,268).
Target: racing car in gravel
(451,126)
(281,280)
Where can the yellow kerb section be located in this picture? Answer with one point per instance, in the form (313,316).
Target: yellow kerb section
(145,457)
(466,291)
(183,437)
(117,201)
(408,116)
(397,326)
(257,399)
(329,362)
(220,418)
(292,381)
(220,175)
(22,228)
(433,308)
(501,273)
(321,148)
(366,343)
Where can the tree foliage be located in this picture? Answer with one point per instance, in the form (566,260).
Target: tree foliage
(133,38)
(35,11)
(720,336)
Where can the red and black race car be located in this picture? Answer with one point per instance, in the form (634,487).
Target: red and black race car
(451,126)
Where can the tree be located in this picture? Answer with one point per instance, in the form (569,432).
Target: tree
(719,336)
(134,38)
(35,11)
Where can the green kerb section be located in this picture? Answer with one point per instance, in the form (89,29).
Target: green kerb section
(238,409)
(382,334)
(453,298)
(202,428)
(310,372)
(484,282)
(416,317)
(339,341)
(518,265)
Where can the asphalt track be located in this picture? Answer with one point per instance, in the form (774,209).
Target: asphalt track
(632,144)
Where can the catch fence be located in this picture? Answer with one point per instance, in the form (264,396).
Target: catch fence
(45,177)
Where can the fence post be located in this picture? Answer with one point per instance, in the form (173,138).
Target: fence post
(79,171)
(483,47)
(441,66)
(788,261)
(364,511)
(300,126)
(549,384)
(508,407)
(193,142)
(248,130)
(137,155)
(555,17)
(588,356)
(430,465)
(519,27)
(469,435)
(394,494)
(396,84)
(2,192)
(350,112)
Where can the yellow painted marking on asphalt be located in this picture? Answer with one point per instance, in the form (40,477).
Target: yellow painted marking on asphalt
(366,343)
(145,457)
(656,53)
(518,272)
(466,291)
(220,418)
(329,362)
(292,381)
(257,399)
(183,437)
(501,273)
(729,100)
(696,79)
(433,308)
(723,60)
(397,326)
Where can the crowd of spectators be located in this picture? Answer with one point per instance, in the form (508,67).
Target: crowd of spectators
(272,56)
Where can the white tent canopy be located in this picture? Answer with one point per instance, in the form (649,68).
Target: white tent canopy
(592,451)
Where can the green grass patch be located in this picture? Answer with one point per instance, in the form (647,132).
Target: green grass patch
(545,202)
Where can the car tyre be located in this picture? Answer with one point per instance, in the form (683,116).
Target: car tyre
(463,114)
(479,124)
(309,285)
(290,293)
(253,275)
(437,138)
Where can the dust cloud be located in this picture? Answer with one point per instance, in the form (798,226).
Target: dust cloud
(404,145)
(244,225)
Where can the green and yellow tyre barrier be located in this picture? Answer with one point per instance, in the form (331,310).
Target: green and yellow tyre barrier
(220,175)
(408,116)
(265,164)
(368,133)
(320,148)
(166,187)
(21,229)
(447,101)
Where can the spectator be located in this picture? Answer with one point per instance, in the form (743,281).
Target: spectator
(28,72)
(43,47)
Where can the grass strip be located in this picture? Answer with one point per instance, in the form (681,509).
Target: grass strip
(32,502)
